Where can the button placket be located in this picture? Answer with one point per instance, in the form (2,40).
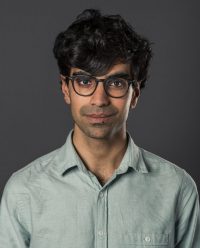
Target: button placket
(102,220)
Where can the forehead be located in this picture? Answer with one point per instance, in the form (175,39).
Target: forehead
(118,68)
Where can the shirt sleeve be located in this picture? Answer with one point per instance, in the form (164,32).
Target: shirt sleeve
(187,228)
(12,232)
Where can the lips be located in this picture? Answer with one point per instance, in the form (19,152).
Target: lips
(99,118)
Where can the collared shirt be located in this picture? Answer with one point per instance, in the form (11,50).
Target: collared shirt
(56,202)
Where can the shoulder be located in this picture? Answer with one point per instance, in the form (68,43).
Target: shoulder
(19,180)
(168,170)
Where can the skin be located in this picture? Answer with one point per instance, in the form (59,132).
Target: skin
(101,144)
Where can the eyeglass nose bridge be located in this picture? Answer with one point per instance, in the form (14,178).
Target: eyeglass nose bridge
(103,80)
(100,80)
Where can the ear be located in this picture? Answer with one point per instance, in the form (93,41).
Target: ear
(65,89)
(135,96)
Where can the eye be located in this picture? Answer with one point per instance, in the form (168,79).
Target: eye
(117,83)
(83,81)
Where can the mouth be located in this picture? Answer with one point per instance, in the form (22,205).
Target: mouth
(99,118)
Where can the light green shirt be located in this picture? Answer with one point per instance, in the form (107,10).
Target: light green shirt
(55,202)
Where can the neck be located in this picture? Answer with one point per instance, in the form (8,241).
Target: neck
(100,155)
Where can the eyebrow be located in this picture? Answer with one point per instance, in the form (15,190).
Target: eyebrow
(118,74)
(80,73)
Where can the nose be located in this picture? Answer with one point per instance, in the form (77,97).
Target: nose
(99,97)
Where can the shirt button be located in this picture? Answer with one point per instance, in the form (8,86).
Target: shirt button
(101,194)
(100,232)
(147,239)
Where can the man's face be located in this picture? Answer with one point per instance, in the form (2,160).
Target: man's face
(100,116)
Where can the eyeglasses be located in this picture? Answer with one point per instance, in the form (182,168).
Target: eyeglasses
(85,85)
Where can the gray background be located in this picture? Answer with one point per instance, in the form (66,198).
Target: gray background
(34,118)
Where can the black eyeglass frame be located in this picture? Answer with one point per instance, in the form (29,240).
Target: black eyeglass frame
(130,81)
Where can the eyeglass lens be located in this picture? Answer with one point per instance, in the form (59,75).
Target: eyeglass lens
(85,85)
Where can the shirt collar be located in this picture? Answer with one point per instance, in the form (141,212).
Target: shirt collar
(67,157)
(132,158)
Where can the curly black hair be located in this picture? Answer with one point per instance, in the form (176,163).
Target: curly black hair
(95,42)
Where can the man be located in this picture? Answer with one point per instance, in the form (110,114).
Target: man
(100,190)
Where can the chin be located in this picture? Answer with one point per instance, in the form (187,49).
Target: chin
(98,132)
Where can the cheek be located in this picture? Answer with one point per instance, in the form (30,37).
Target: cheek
(75,108)
(74,104)
(123,110)
(124,104)
(77,102)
